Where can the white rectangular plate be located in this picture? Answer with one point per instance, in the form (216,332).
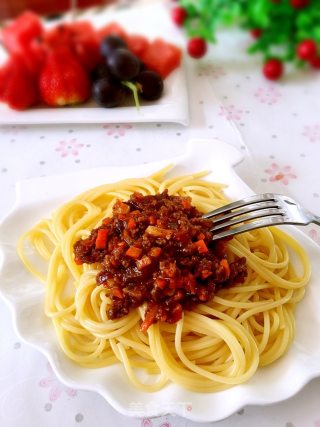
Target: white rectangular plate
(172,107)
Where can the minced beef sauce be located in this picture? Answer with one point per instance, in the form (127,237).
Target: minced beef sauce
(158,250)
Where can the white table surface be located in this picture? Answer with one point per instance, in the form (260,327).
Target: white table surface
(275,125)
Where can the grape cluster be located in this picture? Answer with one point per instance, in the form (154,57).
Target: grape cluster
(121,72)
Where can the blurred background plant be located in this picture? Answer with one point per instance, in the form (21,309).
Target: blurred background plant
(283,30)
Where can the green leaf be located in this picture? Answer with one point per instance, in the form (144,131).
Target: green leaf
(259,12)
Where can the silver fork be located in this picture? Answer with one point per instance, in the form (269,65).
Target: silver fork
(258,211)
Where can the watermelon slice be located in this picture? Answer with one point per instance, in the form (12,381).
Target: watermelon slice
(18,35)
(162,57)
(80,37)
(137,44)
(86,44)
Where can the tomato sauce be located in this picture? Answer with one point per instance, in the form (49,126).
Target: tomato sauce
(158,250)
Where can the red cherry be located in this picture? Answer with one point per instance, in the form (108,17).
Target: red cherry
(307,49)
(299,4)
(315,62)
(256,32)
(197,47)
(178,15)
(273,69)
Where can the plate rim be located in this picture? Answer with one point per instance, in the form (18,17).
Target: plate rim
(193,416)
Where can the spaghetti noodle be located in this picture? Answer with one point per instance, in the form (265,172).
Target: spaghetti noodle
(215,345)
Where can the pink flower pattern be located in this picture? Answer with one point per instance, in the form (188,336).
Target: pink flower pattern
(268,95)
(210,70)
(147,422)
(280,174)
(230,112)
(71,147)
(315,235)
(117,130)
(312,132)
(56,389)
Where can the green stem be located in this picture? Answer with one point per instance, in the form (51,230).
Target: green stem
(134,90)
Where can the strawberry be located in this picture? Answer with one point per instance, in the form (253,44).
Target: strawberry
(63,80)
(18,87)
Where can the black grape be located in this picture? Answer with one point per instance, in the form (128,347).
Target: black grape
(123,64)
(111,43)
(150,85)
(108,93)
(99,72)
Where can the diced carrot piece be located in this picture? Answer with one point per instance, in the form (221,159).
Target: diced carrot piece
(155,252)
(205,274)
(150,317)
(201,236)
(190,283)
(162,57)
(134,252)
(160,223)
(101,240)
(203,293)
(116,292)
(121,244)
(131,224)
(224,263)
(176,313)
(201,246)
(152,220)
(178,295)
(186,203)
(121,208)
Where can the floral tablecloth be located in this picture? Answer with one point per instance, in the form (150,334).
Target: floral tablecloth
(275,125)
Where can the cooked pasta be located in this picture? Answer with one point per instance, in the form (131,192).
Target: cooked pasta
(214,346)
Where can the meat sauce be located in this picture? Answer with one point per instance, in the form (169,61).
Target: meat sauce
(158,250)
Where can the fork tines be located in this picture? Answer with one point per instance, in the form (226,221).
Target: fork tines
(252,212)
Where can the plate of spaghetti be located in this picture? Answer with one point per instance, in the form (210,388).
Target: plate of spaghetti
(111,273)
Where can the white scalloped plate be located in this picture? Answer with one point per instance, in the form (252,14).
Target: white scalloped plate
(171,107)
(39,197)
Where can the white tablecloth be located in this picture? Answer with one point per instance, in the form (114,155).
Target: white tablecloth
(275,125)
